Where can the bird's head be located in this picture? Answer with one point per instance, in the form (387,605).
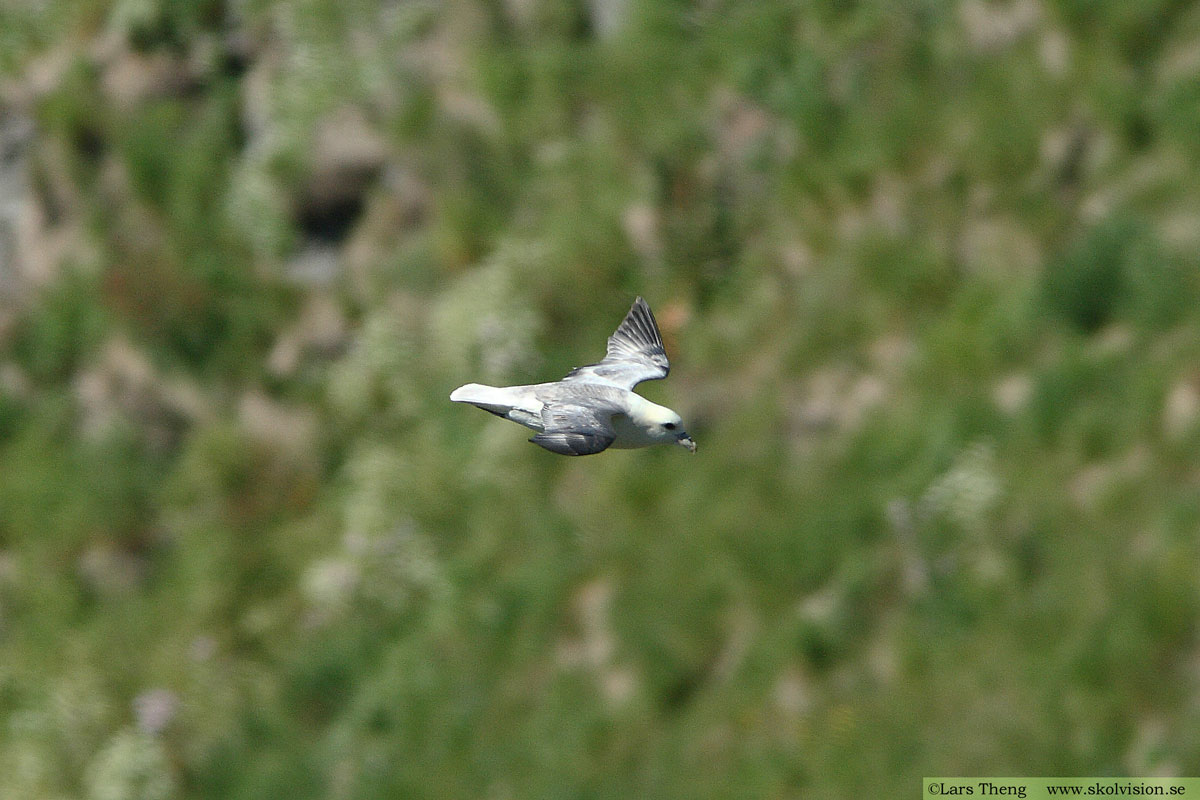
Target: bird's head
(666,426)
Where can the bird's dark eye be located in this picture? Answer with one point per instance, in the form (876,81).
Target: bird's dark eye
(669,426)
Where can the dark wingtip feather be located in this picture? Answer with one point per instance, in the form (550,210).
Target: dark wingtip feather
(640,324)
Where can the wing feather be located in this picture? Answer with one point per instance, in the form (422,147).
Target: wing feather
(572,444)
(575,430)
(635,353)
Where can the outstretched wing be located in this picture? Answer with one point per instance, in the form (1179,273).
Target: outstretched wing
(635,353)
(574,430)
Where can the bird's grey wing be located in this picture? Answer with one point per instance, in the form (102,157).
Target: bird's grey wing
(635,353)
(575,430)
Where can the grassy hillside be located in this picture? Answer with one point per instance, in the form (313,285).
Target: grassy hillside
(928,276)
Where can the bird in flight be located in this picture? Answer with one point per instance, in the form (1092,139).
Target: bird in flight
(594,407)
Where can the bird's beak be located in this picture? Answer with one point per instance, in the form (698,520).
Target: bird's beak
(687,442)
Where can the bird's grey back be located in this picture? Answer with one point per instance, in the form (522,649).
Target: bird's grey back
(601,396)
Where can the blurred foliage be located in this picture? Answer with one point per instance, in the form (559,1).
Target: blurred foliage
(927,274)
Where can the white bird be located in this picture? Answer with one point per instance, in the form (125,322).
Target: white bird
(593,407)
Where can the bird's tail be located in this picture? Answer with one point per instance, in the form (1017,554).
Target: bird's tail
(489,398)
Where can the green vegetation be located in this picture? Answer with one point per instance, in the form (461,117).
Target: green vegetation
(928,276)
